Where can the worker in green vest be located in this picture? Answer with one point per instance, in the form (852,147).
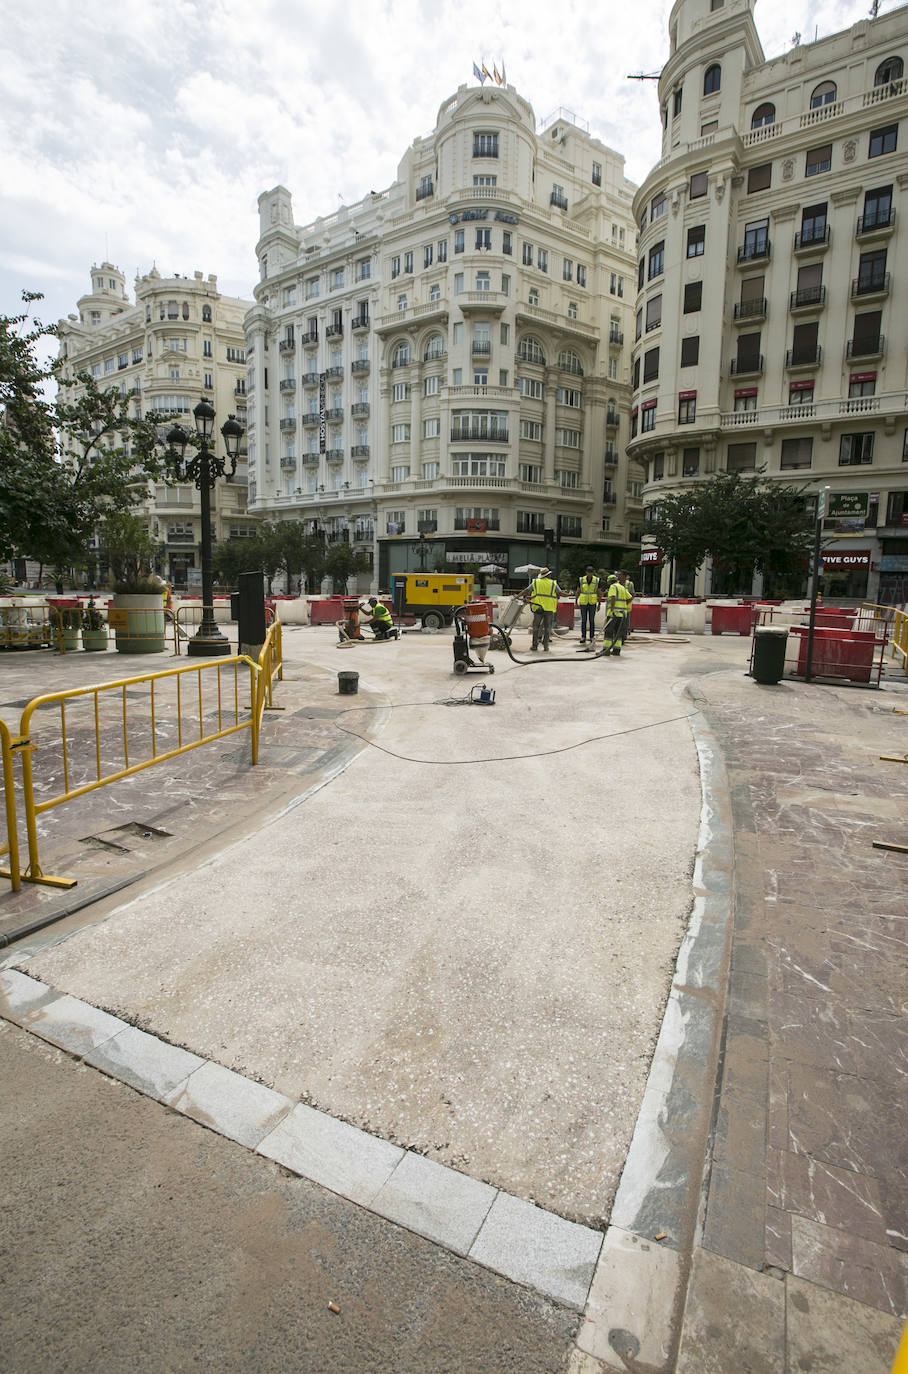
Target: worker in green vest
(542,593)
(380,621)
(617,615)
(587,599)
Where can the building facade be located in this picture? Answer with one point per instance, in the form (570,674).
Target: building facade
(771,332)
(180,341)
(448,358)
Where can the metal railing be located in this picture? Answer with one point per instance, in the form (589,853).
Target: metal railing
(123,730)
(893,623)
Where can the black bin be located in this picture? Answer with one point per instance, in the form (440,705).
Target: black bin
(234,605)
(770,642)
(348,684)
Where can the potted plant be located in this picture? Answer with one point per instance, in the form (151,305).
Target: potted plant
(70,624)
(94,630)
(137,611)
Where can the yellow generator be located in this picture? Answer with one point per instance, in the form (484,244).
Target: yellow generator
(431,597)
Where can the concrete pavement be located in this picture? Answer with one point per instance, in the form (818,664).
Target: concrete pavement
(707,1091)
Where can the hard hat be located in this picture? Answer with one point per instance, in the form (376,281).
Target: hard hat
(373,600)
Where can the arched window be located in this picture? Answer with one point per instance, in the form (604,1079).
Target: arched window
(763,114)
(890,70)
(400,357)
(185,310)
(435,347)
(206,314)
(712,79)
(824,94)
(569,361)
(530,350)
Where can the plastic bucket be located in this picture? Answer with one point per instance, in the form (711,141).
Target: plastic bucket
(347,684)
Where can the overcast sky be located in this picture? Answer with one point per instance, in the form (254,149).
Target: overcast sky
(145,135)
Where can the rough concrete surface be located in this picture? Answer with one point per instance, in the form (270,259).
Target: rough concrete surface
(134,1239)
(470,958)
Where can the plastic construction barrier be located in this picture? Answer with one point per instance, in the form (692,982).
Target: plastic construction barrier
(646,616)
(839,653)
(731,619)
(565,614)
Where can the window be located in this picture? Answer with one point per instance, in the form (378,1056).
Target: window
(615,285)
(613,369)
(883,140)
(430,470)
(442,250)
(796,453)
(690,351)
(687,409)
(289,296)
(749,358)
(400,355)
(529,472)
(108,366)
(401,303)
(818,160)
(657,206)
(435,292)
(458,240)
(855,449)
(824,94)
(503,377)
(530,387)
(800,394)
(569,361)
(597,174)
(813,224)
(505,284)
(862,384)
(635,374)
(431,429)
(696,240)
(676,102)
(527,254)
(712,79)
(568,438)
(657,259)
(396,522)
(653,312)
(871,271)
(363,269)
(431,386)
(479,424)
(479,465)
(207,383)
(581,274)
(763,114)
(759,178)
(647,418)
(506,242)
(709,127)
(310,285)
(483,281)
(428,253)
(458,283)
(485,145)
(568,396)
(698,185)
(877,208)
(485,181)
(530,350)
(530,522)
(741,458)
(206,347)
(566,477)
(96,369)
(542,260)
(756,239)
(638,324)
(867,338)
(690,462)
(400,434)
(531,429)
(400,391)
(891,69)
(435,347)
(651,365)
(483,239)
(457,376)
(337,276)
(504,333)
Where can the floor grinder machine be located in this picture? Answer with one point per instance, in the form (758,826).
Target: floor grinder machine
(473,633)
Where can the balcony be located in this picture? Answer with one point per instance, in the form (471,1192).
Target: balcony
(745,311)
(797,358)
(876,224)
(610,458)
(310,418)
(359,451)
(310,337)
(360,408)
(336,413)
(240,389)
(423,192)
(288,384)
(286,346)
(481,300)
(812,240)
(288,462)
(865,348)
(188,538)
(746,367)
(481,349)
(761,251)
(289,423)
(360,365)
(309,379)
(609,498)
(616,336)
(558,200)
(611,419)
(485,436)
(870,284)
(334,331)
(359,322)
(808,298)
(337,372)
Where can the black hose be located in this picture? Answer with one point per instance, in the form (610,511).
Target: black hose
(534,662)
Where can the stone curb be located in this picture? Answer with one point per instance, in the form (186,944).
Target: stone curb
(503,1233)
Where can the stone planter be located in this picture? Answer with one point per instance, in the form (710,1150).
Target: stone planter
(138,621)
(94,641)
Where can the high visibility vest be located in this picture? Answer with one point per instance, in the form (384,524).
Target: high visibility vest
(544,596)
(619,599)
(589,592)
(380,612)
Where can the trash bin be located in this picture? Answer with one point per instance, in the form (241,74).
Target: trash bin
(770,643)
(234,605)
(347,684)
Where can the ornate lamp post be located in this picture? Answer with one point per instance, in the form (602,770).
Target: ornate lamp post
(204,469)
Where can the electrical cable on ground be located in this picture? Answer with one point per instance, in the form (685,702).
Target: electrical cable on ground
(495,758)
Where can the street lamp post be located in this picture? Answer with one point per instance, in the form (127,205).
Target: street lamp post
(204,469)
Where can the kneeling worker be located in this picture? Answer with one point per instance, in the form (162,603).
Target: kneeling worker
(380,623)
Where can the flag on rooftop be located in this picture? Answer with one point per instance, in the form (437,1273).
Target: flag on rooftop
(480,75)
(495,74)
(487,72)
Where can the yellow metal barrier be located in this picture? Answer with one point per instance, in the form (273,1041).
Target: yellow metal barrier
(25,625)
(271,664)
(900,637)
(191,613)
(7,744)
(895,627)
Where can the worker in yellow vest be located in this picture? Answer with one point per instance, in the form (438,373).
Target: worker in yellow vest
(542,593)
(380,621)
(617,615)
(587,599)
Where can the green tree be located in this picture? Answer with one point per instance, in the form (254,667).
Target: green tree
(236,556)
(130,552)
(343,562)
(744,523)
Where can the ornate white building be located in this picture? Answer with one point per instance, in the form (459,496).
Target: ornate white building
(769,332)
(182,340)
(450,356)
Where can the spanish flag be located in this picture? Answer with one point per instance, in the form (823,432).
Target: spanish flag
(495,74)
(486,71)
